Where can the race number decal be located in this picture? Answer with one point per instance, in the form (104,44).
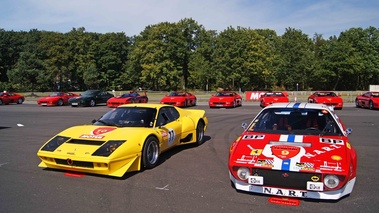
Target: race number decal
(171,137)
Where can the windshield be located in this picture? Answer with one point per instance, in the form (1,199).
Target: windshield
(224,94)
(295,121)
(128,117)
(89,93)
(54,94)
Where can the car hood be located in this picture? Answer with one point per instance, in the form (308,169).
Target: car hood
(86,139)
(292,152)
(220,98)
(49,98)
(327,99)
(171,98)
(275,99)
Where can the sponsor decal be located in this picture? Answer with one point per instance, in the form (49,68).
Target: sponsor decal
(102,130)
(285,152)
(305,166)
(331,141)
(324,149)
(171,137)
(246,159)
(256,152)
(264,163)
(336,157)
(284,192)
(253,137)
(91,136)
(98,133)
(315,178)
(331,166)
(348,145)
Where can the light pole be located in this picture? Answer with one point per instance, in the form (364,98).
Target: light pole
(297,91)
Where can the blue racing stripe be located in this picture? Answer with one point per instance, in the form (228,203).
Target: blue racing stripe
(291,138)
(286,165)
(296,105)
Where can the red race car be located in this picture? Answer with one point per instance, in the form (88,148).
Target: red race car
(56,99)
(298,150)
(327,98)
(368,100)
(180,99)
(273,97)
(9,97)
(225,99)
(127,98)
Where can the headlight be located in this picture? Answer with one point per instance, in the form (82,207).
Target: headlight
(331,181)
(108,148)
(243,173)
(54,143)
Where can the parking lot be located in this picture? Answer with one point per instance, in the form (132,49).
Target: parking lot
(188,178)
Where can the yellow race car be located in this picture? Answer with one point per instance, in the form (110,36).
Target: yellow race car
(128,138)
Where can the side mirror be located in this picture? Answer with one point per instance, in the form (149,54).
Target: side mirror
(93,121)
(244,125)
(349,131)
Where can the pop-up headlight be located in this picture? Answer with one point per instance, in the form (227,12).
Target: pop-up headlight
(54,143)
(108,148)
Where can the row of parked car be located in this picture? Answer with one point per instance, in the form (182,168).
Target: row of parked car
(367,100)
(222,99)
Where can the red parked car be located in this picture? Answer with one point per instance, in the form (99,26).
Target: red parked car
(10,97)
(327,98)
(273,97)
(368,100)
(298,150)
(180,99)
(127,98)
(56,99)
(225,99)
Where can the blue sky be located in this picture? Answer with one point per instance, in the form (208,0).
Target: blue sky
(326,17)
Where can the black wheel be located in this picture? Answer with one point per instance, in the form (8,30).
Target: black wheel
(194,103)
(1,102)
(357,103)
(185,103)
(19,101)
(371,105)
(92,103)
(200,133)
(234,104)
(60,102)
(150,153)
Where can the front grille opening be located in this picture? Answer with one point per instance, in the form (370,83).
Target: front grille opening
(86,142)
(285,179)
(68,162)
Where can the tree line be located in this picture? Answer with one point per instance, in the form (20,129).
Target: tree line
(186,56)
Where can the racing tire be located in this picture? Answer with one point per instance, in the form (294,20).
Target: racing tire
(357,103)
(371,105)
(19,101)
(1,102)
(200,133)
(60,102)
(195,102)
(185,103)
(150,153)
(92,103)
(234,104)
